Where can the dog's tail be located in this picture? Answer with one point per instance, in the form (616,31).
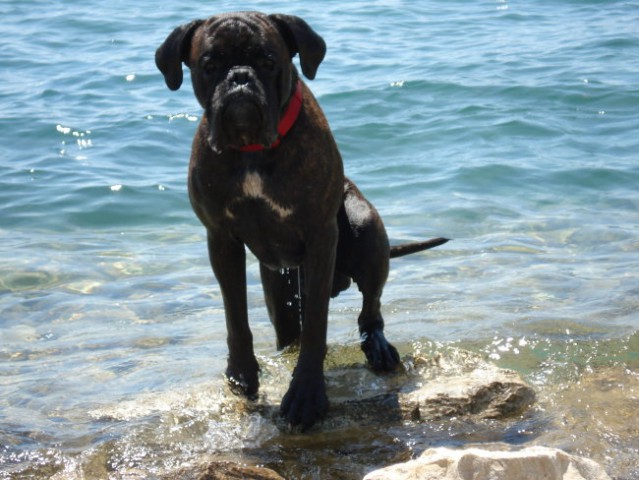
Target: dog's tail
(408,248)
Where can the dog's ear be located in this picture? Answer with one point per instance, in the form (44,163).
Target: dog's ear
(175,50)
(300,37)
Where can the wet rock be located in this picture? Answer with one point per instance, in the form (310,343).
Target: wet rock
(441,387)
(480,390)
(528,464)
(224,471)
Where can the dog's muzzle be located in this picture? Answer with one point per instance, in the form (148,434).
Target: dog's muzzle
(240,113)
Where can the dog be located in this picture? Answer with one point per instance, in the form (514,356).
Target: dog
(265,173)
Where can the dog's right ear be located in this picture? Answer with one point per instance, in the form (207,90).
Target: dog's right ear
(175,50)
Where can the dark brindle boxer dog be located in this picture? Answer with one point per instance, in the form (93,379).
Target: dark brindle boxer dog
(265,173)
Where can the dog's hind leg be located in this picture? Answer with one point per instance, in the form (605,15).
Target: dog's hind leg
(284,302)
(381,355)
(363,255)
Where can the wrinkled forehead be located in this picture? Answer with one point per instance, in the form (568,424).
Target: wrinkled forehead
(246,34)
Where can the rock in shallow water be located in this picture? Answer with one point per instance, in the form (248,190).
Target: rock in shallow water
(458,389)
(532,463)
(482,391)
(224,471)
(437,388)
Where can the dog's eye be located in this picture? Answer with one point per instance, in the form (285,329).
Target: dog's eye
(210,65)
(268,64)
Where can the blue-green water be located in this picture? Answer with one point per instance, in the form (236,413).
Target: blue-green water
(511,127)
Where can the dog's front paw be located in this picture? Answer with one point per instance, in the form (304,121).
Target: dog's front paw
(381,355)
(242,377)
(305,401)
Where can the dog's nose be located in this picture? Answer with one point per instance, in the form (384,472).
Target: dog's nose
(240,76)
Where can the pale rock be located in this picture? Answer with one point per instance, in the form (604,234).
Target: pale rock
(534,463)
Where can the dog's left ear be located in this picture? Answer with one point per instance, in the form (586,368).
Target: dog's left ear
(300,37)
(175,50)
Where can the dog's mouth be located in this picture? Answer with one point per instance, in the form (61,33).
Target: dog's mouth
(241,122)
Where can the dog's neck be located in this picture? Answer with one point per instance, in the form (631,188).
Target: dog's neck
(286,121)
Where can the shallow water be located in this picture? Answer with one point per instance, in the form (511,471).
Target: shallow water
(510,128)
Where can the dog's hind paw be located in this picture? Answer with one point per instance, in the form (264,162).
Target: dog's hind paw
(381,355)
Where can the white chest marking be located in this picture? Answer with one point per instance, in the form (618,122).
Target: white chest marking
(253,187)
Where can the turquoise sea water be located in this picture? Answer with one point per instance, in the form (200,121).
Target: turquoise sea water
(510,127)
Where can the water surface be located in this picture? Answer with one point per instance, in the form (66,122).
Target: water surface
(509,127)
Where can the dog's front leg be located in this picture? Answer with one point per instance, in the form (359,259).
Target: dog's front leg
(228,259)
(305,401)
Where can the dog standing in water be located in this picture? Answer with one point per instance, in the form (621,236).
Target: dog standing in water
(265,173)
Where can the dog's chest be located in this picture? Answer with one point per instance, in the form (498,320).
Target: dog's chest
(253,188)
(264,221)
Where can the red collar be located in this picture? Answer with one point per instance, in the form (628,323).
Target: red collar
(286,122)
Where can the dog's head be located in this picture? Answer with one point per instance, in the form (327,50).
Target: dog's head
(241,71)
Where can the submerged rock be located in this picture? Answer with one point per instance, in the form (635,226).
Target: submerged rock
(532,463)
(442,399)
(366,414)
(597,414)
(224,471)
